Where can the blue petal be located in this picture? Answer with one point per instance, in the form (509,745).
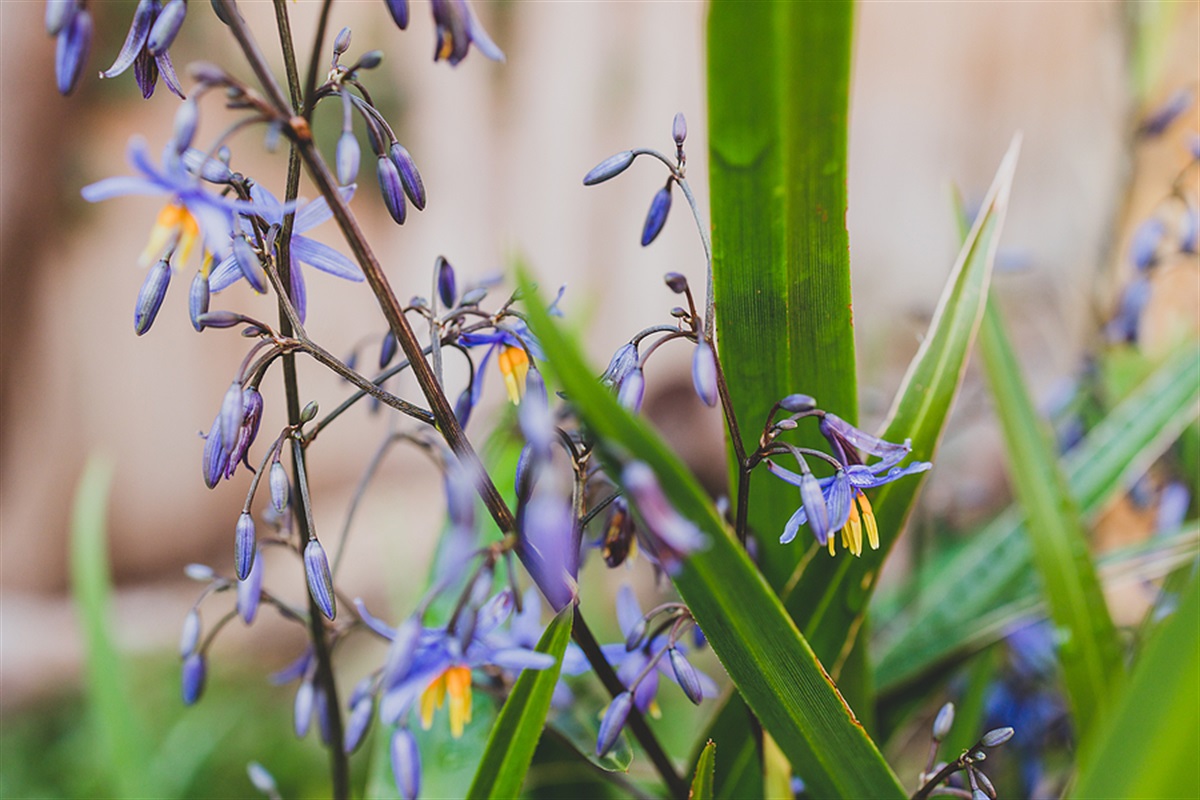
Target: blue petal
(325,258)
(225,275)
(310,215)
(119,187)
(628,610)
(516,658)
(167,70)
(139,29)
(793,525)
(268,205)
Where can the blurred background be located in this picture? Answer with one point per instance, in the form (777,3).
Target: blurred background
(938,91)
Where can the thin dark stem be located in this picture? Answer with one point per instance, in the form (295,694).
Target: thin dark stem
(583,637)
(314,60)
(944,773)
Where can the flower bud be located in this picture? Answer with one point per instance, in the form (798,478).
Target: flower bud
(676,282)
(704,374)
(210,169)
(194,672)
(208,73)
(996,737)
(187,117)
(249,591)
(320,580)
(943,722)
(370,59)
(199,572)
(362,711)
(631,390)
(347,158)
(636,635)
(985,783)
(657,216)
(198,297)
(243,546)
(623,362)
(150,297)
(391,188)
(73,45)
(219,319)
(410,178)
(216,457)
(58,14)
(250,264)
(279,486)
(232,408)
(679,129)
(399,12)
(797,403)
(446,283)
(406,764)
(609,168)
(262,780)
(686,675)
(387,350)
(614,720)
(309,412)
(341,42)
(463,407)
(166,27)
(302,707)
(189,637)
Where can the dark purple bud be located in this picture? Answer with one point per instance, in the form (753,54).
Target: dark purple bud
(624,361)
(341,42)
(1143,247)
(391,188)
(166,27)
(250,263)
(198,297)
(631,390)
(361,713)
(614,720)
(943,722)
(216,457)
(686,675)
(74,44)
(446,282)
(249,591)
(679,128)
(150,297)
(676,282)
(399,12)
(347,158)
(262,780)
(704,374)
(996,737)
(194,671)
(410,178)
(189,637)
(279,486)
(526,477)
(371,59)
(387,350)
(462,408)
(609,168)
(320,581)
(58,14)
(232,408)
(302,707)
(406,764)
(797,403)
(657,216)
(243,546)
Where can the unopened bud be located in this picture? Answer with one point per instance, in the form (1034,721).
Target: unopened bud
(679,129)
(341,42)
(996,737)
(609,168)
(943,722)
(309,412)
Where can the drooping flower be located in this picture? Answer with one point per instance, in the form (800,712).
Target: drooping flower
(667,537)
(302,249)
(151,32)
(513,344)
(457,29)
(72,24)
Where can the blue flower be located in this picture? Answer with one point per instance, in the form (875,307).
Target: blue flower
(191,211)
(152,31)
(513,344)
(302,250)
(845,503)
(457,29)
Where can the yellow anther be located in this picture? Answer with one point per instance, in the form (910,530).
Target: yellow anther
(432,699)
(458,686)
(869,521)
(514,366)
(854,526)
(174,229)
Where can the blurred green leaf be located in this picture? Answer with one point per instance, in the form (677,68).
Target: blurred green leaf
(778,98)
(959,592)
(1147,747)
(109,694)
(1090,655)
(742,776)
(702,782)
(748,629)
(517,730)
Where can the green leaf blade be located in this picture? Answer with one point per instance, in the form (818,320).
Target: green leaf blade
(702,781)
(518,728)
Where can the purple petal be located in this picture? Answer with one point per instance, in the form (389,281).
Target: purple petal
(139,29)
(325,258)
(518,658)
(629,612)
(310,215)
(119,187)
(225,274)
(167,70)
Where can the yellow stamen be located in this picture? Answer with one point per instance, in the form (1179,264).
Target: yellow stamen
(514,366)
(854,525)
(458,686)
(830,542)
(432,699)
(447,46)
(175,229)
(654,710)
(206,261)
(869,520)
(189,234)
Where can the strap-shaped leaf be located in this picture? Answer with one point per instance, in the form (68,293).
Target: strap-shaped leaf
(757,642)
(702,781)
(980,577)
(515,735)
(1091,659)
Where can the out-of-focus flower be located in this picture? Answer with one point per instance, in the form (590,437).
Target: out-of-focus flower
(151,32)
(457,29)
(667,537)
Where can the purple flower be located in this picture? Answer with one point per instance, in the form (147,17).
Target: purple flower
(457,28)
(145,32)
(510,344)
(668,536)
(847,441)
(302,250)
(548,547)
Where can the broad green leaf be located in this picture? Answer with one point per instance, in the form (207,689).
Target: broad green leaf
(1147,746)
(750,632)
(993,566)
(517,730)
(108,691)
(702,781)
(1090,656)
(778,99)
